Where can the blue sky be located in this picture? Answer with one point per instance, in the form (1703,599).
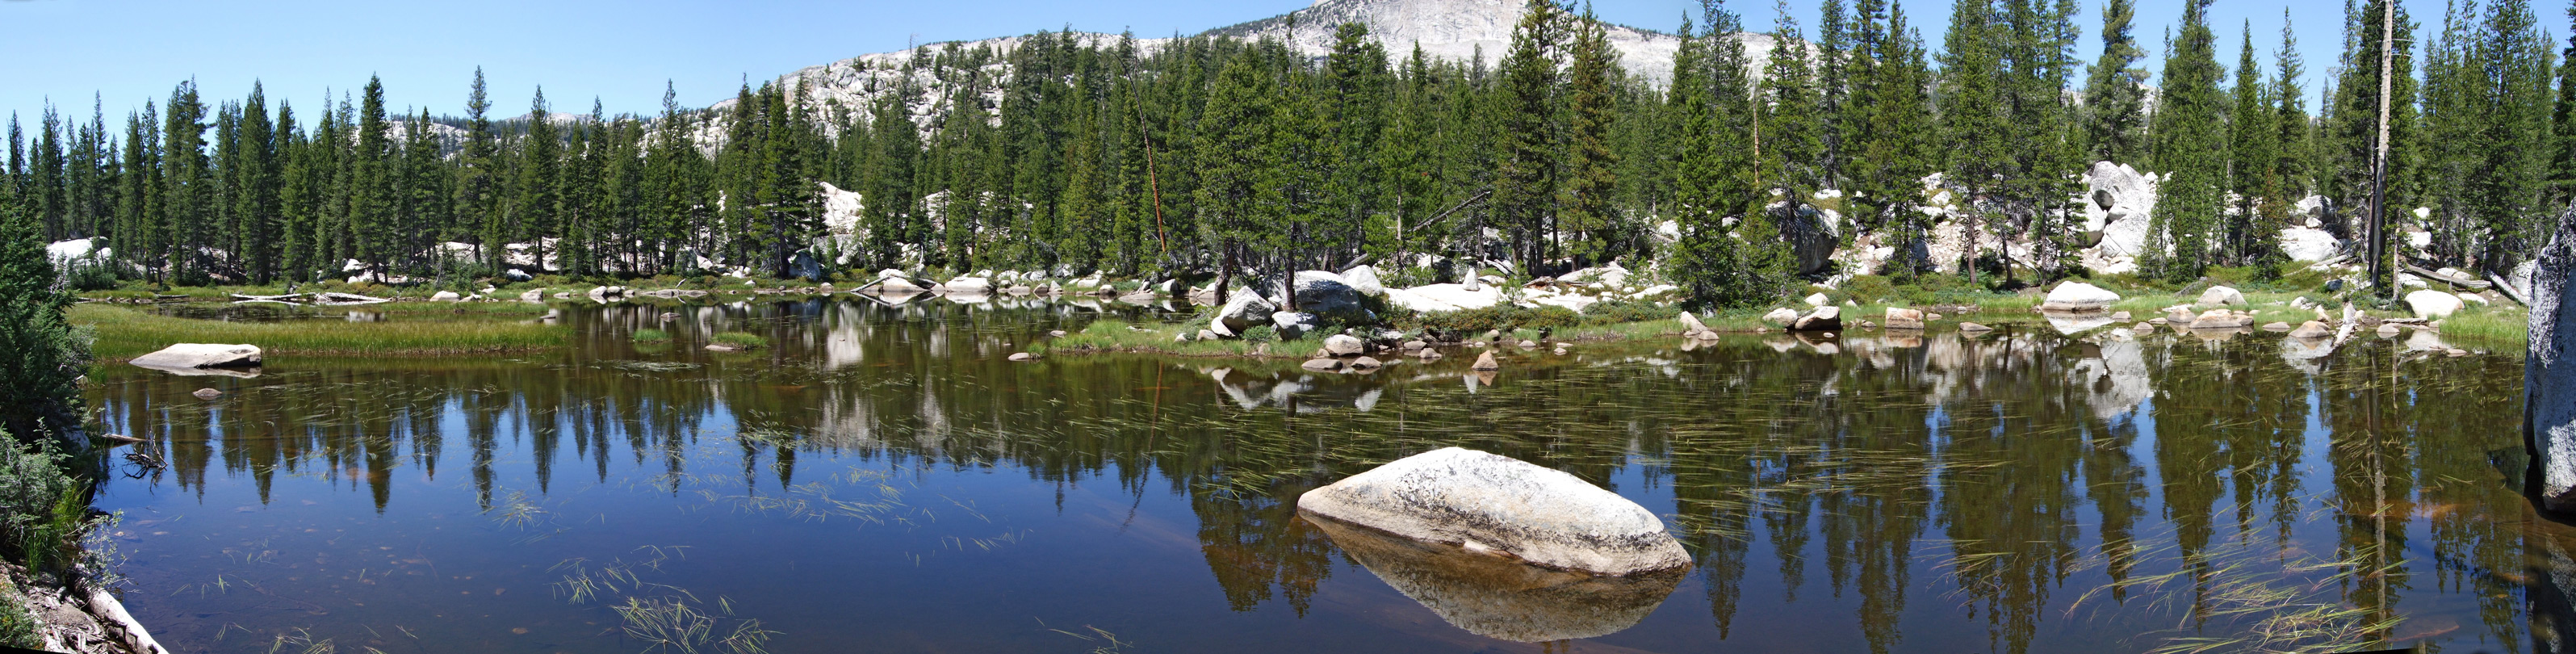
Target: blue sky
(621,52)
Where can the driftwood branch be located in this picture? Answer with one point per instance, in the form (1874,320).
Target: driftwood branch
(2508,290)
(1462,204)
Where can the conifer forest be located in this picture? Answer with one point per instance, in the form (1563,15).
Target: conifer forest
(1201,156)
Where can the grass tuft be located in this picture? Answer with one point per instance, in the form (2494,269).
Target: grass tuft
(125,333)
(744,340)
(651,336)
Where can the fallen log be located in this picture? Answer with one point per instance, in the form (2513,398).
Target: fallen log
(2447,279)
(2509,291)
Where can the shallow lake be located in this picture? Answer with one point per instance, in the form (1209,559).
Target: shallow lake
(881,479)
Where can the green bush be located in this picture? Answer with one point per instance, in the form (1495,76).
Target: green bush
(1261,334)
(741,339)
(40,375)
(1609,312)
(1870,289)
(42,509)
(17,626)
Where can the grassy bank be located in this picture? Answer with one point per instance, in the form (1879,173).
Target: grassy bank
(125,333)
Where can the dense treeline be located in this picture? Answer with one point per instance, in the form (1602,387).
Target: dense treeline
(1209,156)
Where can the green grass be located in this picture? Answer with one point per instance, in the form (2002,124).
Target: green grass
(125,333)
(2491,325)
(651,336)
(1113,335)
(744,340)
(17,625)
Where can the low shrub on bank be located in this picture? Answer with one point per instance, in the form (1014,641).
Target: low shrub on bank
(44,512)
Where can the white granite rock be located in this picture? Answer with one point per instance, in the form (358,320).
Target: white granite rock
(1485,501)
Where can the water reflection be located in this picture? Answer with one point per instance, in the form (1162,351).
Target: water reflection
(1498,597)
(2022,491)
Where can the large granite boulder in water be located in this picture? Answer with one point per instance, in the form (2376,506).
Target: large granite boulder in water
(2079,296)
(200,355)
(2548,378)
(1491,503)
(1497,597)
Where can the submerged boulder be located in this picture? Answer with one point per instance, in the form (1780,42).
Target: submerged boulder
(1497,597)
(1485,502)
(200,355)
(2311,329)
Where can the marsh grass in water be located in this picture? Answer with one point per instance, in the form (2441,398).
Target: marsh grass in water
(743,340)
(651,336)
(125,333)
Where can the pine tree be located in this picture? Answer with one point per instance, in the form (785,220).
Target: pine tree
(1588,217)
(2115,120)
(2351,137)
(533,212)
(188,186)
(1973,122)
(1354,90)
(2189,150)
(2252,129)
(256,202)
(1525,181)
(477,183)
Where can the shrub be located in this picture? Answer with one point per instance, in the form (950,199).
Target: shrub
(1869,289)
(17,626)
(43,511)
(1622,311)
(90,273)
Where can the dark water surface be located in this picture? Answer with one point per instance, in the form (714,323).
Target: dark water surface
(882,480)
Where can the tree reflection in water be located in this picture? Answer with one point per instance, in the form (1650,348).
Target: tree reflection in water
(2021,491)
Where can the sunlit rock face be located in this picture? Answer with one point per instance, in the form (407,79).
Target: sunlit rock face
(1498,597)
(2549,381)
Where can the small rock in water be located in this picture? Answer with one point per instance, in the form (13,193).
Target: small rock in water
(2311,329)
(1526,343)
(1560,351)
(2120,315)
(2276,327)
(1486,362)
(1415,345)
(1931,316)
(2155,321)
(207,393)
(1057,333)
(1974,327)
(1023,356)
(2457,352)
(2388,329)
(1323,364)
(1366,363)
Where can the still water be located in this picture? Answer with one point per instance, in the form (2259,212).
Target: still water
(880,479)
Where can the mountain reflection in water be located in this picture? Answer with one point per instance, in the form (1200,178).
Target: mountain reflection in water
(881,479)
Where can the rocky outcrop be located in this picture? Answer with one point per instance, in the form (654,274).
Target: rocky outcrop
(1244,311)
(2221,296)
(200,355)
(1824,319)
(1435,298)
(1363,279)
(1490,503)
(1324,293)
(1902,318)
(1782,317)
(1293,325)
